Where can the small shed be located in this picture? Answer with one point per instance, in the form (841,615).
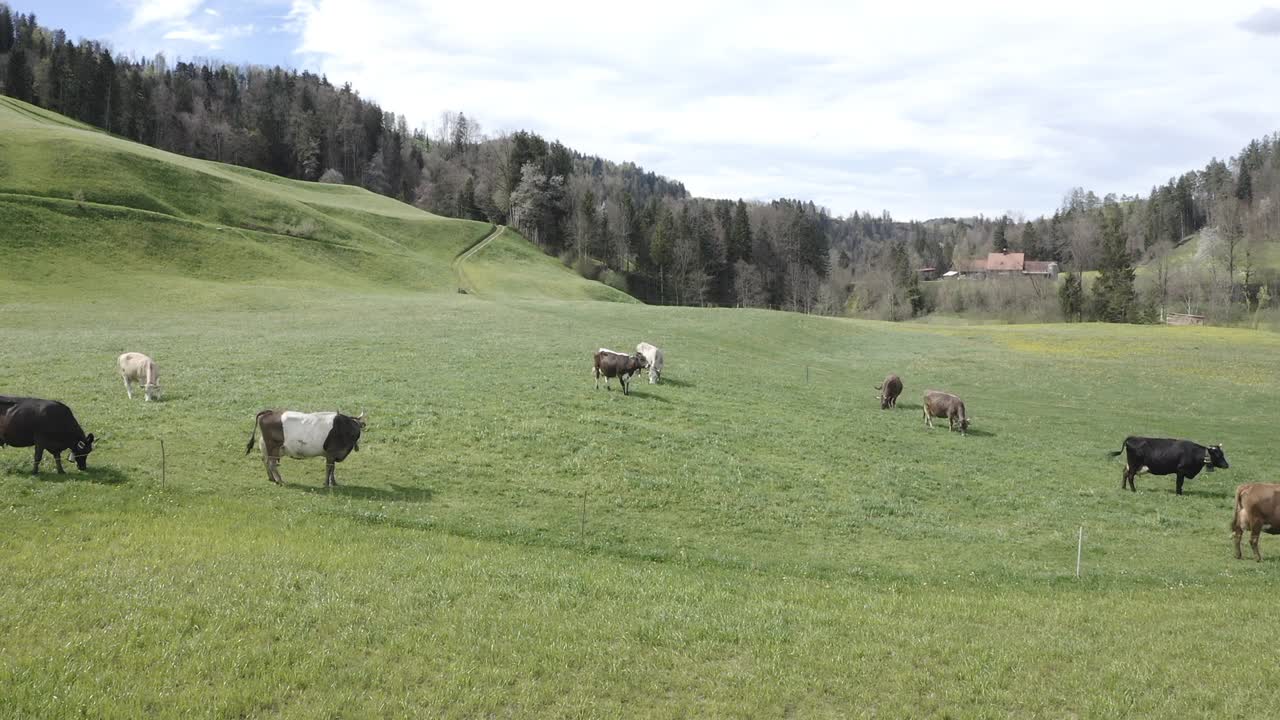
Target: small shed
(1183,319)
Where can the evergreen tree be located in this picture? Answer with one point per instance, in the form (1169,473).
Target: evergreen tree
(20,80)
(662,249)
(740,241)
(467,201)
(6,29)
(1114,295)
(1244,187)
(1071,297)
(999,241)
(1031,242)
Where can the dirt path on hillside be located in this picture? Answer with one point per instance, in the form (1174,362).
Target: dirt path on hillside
(465,255)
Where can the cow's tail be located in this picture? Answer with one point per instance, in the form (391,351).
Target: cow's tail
(253,434)
(1116,453)
(1235,516)
(880,386)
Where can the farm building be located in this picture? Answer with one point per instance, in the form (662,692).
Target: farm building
(1003,265)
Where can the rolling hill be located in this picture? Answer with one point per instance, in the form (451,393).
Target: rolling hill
(752,537)
(88,208)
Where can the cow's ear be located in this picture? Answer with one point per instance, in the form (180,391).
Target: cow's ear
(89,438)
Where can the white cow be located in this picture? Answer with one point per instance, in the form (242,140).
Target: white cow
(654,357)
(136,367)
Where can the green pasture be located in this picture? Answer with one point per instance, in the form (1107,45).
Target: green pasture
(753,537)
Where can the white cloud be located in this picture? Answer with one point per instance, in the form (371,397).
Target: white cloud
(190,34)
(150,12)
(921,108)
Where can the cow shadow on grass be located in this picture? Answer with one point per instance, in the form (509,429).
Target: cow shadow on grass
(96,475)
(979,432)
(647,396)
(676,382)
(393,493)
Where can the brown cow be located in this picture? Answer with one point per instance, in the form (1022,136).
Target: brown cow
(1257,510)
(614,364)
(890,389)
(938,404)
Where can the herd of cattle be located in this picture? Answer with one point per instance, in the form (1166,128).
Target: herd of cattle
(49,426)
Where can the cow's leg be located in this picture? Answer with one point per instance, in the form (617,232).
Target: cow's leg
(1237,532)
(1254,532)
(623,379)
(128,386)
(330,479)
(57,460)
(35,470)
(597,374)
(1180,479)
(273,469)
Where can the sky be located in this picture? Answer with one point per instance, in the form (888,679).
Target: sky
(919,108)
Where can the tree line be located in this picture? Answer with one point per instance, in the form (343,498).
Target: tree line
(644,233)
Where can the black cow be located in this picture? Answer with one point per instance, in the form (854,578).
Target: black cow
(1164,456)
(45,424)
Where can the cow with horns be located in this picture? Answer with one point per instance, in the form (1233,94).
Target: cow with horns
(304,435)
(45,425)
(1165,456)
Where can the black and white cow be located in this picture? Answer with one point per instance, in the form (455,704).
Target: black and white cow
(303,435)
(46,425)
(1164,456)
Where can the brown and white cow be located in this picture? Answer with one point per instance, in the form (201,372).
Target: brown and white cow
(136,367)
(304,435)
(1258,511)
(938,404)
(890,389)
(612,364)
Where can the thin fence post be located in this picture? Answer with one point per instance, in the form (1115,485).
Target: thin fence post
(1079,550)
(162,463)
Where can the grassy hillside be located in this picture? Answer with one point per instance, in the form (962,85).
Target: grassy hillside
(753,537)
(91,208)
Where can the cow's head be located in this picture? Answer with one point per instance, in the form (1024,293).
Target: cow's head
(152,391)
(641,360)
(359,419)
(80,451)
(1216,458)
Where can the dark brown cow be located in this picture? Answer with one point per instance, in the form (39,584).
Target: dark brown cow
(46,425)
(890,389)
(1258,511)
(612,364)
(938,404)
(303,435)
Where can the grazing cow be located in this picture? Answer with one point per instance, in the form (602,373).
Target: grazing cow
(653,356)
(890,389)
(938,404)
(1257,510)
(46,425)
(136,367)
(1162,456)
(614,364)
(304,435)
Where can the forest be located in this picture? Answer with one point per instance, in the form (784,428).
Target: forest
(645,234)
